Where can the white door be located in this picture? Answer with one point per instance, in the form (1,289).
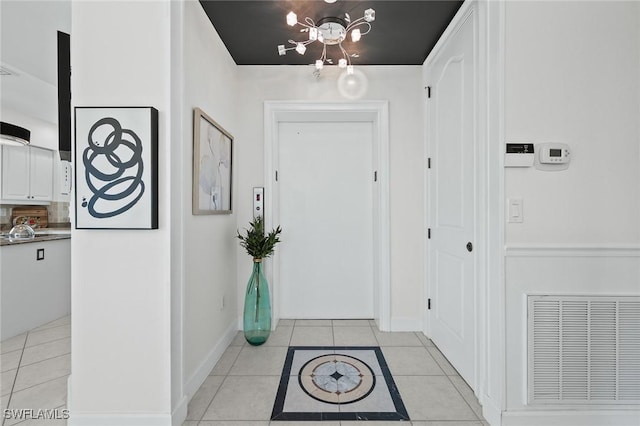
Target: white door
(451,132)
(325,183)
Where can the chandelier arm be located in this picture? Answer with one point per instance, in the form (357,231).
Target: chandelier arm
(309,23)
(345,55)
(354,23)
(368,24)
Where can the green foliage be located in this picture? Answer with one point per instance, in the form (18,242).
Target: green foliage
(257,244)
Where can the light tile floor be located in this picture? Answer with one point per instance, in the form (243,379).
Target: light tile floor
(241,388)
(35,367)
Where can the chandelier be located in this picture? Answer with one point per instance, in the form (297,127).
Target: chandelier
(330,31)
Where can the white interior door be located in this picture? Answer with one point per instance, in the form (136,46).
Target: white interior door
(325,210)
(451,131)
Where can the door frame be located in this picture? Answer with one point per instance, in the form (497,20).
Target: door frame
(375,112)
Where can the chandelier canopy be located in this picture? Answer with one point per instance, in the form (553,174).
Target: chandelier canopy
(330,31)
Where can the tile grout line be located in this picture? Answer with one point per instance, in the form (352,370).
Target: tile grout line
(44,359)
(221,383)
(463,398)
(48,341)
(15,378)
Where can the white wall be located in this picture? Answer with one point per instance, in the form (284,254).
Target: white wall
(572,75)
(29,47)
(121,364)
(29,97)
(401,85)
(210,83)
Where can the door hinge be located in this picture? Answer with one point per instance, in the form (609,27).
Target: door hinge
(429,92)
(276,175)
(429,304)
(375,176)
(429,163)
(429,233)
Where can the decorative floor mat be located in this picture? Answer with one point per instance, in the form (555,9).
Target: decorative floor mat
(337,383)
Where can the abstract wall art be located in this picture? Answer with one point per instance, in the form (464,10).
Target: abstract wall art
(116,167)
(212,162)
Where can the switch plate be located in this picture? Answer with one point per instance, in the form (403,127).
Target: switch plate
(258,202)
(515,213)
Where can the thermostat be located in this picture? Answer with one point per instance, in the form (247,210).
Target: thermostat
(553,156)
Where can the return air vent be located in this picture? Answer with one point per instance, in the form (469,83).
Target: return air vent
(584,350)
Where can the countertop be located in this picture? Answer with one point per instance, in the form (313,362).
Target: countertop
(41,235)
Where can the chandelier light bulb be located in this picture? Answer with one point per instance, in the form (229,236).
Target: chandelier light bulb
(281,50)
(319,64)
(313,34)
(369,15)
(342,63)
(355,35)
(292,19)
(330,1)
(350,69)
(301,48)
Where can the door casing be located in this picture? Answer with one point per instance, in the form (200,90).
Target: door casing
(375,112)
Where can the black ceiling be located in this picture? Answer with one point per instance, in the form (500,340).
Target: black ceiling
(403,33)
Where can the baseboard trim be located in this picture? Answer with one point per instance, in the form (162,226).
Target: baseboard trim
(491,412)
(110,419)
(179,414)
(200,374)
(571,418)
(405,324)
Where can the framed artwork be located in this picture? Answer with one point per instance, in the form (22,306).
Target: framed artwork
(212,163)
(116,176)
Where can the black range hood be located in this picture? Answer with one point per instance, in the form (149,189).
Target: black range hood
(64,96)
(15,133)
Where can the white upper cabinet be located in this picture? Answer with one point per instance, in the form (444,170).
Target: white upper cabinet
(27,175)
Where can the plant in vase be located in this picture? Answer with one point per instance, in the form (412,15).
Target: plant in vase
(257,306)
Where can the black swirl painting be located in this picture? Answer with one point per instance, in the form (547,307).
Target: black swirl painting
(116,157)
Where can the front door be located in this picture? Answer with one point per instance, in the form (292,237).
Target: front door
(452,139)
(325,210)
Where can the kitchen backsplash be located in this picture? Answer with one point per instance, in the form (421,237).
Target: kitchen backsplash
(57,212)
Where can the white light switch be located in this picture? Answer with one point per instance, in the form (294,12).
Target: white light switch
(515,214)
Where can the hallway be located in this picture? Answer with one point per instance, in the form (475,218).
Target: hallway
(242,387)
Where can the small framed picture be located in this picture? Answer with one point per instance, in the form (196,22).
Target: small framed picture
(212,166)
(116,158)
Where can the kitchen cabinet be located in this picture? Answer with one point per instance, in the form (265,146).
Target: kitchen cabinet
(36,284)
(27,175)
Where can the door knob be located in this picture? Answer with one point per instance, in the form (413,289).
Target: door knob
(469,247)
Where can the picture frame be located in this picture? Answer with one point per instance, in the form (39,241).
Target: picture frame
(116,167)
(212,166)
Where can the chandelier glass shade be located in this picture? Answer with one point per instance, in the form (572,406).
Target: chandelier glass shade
(330,31)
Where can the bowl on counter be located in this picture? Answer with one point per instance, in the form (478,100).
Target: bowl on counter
(21,232)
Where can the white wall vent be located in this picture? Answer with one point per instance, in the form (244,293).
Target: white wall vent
(583,349)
